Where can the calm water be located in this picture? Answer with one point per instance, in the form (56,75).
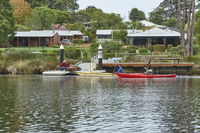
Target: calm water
(101,105)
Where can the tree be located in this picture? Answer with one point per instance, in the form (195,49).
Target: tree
(186,19)
(156,16)
(21,10)
(136,15)
(43,18)
(37,3)
(67,5)
(120,35)
(7,21)
(97,19)
(62,17)
(172,22)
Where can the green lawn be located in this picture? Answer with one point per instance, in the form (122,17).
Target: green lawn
(32,49)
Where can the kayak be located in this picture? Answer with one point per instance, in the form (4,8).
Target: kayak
(140,75)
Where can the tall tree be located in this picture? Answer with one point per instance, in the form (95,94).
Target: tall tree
(67,5)
(156,16)
(7,21)
(37,3)
(186,19)
(136,15)
(43,17)
(21,10)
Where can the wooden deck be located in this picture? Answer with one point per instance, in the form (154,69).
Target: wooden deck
(152,64)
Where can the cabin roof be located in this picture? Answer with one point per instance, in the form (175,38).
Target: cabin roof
(46,33)
(156,32)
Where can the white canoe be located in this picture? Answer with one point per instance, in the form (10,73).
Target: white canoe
(57,73)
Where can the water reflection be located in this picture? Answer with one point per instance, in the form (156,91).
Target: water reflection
(81,104)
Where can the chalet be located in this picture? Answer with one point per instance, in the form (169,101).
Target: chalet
(35,38)
(43,37)
(154,36)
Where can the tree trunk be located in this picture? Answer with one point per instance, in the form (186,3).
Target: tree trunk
(186,20)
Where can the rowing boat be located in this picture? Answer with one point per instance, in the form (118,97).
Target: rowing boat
(141,75)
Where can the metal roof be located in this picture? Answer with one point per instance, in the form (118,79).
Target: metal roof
(104,32)
(46,33)
(34,34)
(109,32)
(156,32)
(148,24)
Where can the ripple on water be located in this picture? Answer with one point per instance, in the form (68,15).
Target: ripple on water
(101,105)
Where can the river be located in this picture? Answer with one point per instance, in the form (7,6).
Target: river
(99,105)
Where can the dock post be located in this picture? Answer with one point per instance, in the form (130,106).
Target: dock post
(62,53)
(100,57)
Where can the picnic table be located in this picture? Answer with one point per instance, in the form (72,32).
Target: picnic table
(174,59)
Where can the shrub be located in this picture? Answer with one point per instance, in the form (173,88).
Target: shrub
(159,48)
(174,50)
(143,50)
(12,54)
(72,52)
(109,48)
(55,46)
(179,47)
(150,48)
(78,41)
(196,49)
(169,47)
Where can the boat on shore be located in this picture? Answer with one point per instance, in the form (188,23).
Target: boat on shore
(141,75)
(59,73)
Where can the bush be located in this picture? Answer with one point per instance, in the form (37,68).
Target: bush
(55,46)
(78,41)
(150,48)
(109,48)
(179,47)
(196,49)
(174,50)
(143,50)
(12,54)
(72,52)
(159,48)
(169,47)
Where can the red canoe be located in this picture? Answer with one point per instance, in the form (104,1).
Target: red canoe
(140,75)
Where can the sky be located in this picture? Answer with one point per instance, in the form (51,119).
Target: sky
(122,7)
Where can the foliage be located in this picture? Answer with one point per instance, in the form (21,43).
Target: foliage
(22,10)
(150,48)
(136,15)
(129,49)
(109,48)
(72,52)
(7,21)
(196,49)
(12,54)
(137,25)
(78,41)
(120,35)
(159,48)
(43,17)
(172,22)
(95,18)
(174,50)
(67,5)
(76,26)
(143,50)
(22,28)
(156,16)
